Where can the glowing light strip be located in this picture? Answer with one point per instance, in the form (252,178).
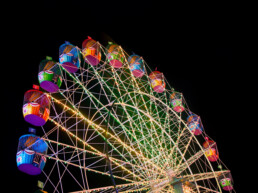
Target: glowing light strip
(204,176)
(119,186)
(116,161)
(88,169)
(189,162)
(92,148)
(97,127)
(210,190)
(186,147)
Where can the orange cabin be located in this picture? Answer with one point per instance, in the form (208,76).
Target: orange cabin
(157,81)
(91,51)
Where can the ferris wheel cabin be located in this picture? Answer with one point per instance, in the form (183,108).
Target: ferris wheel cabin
(114,55)
(136,65)
(211,151)
(176,102)
(157,81)
(226,181)
(30,157)
(36,107)
(69,57)
(194,124)
(91,51)
(49,75)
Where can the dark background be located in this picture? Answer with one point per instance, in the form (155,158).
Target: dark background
(204,50)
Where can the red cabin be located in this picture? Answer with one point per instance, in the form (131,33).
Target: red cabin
(211,151)
(36,107)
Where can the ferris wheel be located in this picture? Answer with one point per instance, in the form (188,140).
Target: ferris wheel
(111,124)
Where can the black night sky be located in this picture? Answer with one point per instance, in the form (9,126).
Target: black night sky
(201,49)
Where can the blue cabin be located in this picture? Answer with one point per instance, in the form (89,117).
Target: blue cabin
(30,155)
(69,57)
(136,65)
(194,124)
